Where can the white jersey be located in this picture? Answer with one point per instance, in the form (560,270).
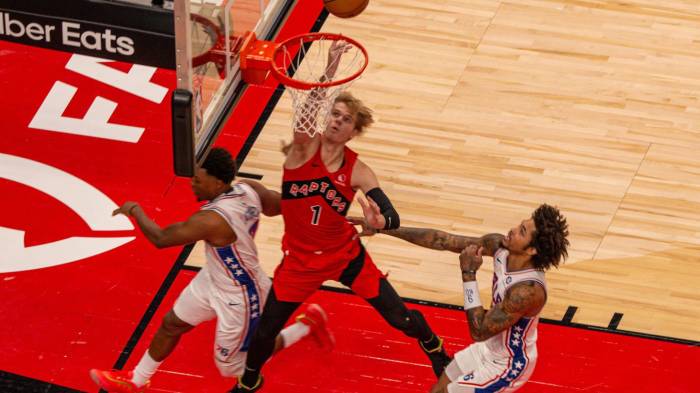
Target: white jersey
(519,341)
(231,286)
(504,362)
(236,264)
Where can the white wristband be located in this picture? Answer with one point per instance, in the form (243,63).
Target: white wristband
(471,295)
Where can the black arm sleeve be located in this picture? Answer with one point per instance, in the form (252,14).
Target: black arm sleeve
(385,206)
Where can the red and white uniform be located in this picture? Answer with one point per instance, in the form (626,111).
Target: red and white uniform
(319,242)
(231,286)
(504,362)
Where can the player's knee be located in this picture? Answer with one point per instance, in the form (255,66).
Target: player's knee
(414,324)
(399,319)
(174,326)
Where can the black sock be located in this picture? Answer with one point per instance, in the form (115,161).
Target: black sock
(431,343)
(250,377)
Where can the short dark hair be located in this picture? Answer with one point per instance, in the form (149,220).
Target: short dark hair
(550,237)
(220,164)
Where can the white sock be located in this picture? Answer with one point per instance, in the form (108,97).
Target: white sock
(292,334)
(145,370)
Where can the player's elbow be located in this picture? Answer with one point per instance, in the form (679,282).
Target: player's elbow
(480,335)
(272,211)
(160,241)
(160,244)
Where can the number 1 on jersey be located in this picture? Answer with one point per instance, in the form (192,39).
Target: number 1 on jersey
(316,211)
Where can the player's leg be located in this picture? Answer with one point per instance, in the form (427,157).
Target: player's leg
(311,322)
(363,277)
(275,315)
(292,285)
(191,308)
(475,369)
(441,385)
(411,323)
(168,335)
(238,314)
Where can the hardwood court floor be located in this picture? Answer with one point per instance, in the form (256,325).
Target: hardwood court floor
(487,108)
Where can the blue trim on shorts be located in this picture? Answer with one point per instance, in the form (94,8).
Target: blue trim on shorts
(519,361)
(233,264)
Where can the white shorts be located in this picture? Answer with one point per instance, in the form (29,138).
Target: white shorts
(475,367)
(236,310)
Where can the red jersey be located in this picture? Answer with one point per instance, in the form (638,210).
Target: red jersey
(314,205)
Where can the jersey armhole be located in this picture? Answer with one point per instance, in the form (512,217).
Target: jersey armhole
(218,211)
(303,164)
(538,282)
(250,190)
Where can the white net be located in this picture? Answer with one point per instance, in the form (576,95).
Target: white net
(319,60)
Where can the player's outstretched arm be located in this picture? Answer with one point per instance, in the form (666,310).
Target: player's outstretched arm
(440,240)
(378,211)
(310,108)
(202,225)
(445,241)
(270,199)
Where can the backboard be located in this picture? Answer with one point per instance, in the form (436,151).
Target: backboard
(208,36)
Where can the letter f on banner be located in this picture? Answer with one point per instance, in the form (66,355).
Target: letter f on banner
(96,123)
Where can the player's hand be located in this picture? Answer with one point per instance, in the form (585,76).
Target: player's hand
(366,229)
(335,52)
(470,258)
(373,216)
(126,209)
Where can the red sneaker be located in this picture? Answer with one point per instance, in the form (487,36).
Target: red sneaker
(116,381)
(315,318)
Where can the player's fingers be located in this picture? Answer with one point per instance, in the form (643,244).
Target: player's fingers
(116,211)
(480,251)
(363,203)
(373,204)
(356,220)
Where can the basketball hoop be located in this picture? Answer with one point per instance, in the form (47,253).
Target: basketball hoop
(304,65)
(216,52)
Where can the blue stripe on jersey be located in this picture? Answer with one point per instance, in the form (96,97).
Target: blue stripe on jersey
(518,362)
(233,264)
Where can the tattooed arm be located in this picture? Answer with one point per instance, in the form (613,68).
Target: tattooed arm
(522,299)
(440,240)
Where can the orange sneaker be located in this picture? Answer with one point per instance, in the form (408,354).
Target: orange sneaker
(116,381)
(315,318)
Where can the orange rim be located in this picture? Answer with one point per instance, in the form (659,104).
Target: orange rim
(280,72)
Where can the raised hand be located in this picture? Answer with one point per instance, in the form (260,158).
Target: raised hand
(373,216)
(470,259)
(335,52)
(366,229)
(125,209)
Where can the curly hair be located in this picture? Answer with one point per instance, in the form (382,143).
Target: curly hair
(220,164)
(550,237)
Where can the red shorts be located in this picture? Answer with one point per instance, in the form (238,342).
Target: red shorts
(300,275)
